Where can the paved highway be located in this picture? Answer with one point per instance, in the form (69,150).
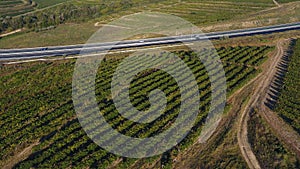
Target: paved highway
(40,52)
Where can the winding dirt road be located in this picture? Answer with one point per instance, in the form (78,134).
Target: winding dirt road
(263,82)
(10,33)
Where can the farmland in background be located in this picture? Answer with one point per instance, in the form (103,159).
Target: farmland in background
(78,11)
(204,12)
(14,7)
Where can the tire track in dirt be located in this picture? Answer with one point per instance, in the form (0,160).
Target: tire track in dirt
(10,33)
(21,156)
(283,131)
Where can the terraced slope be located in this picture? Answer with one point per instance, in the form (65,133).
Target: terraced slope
(205,11)
(14,7)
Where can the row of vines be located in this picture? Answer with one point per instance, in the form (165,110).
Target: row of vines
(36,105)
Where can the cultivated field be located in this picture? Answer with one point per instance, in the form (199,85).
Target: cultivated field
(204,12)
(17,7)
(268,149)
(14,7)
(36,109)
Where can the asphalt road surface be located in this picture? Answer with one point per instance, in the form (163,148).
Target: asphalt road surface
(40,52)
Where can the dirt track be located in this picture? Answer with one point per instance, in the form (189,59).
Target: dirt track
(21,156)
(263,82)
(256,89)
(276,3)
(10,33)
(282,130)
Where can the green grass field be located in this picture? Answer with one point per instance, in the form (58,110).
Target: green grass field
(36,106)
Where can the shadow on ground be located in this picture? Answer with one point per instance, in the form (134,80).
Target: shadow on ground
(278,81)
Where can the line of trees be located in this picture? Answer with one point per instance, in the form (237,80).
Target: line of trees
(53,17)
